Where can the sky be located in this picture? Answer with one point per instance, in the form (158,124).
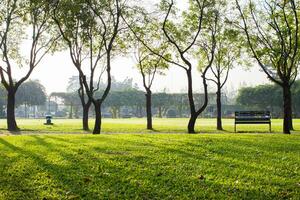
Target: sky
(55,70)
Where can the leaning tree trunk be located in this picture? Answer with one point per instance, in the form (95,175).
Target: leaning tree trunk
(195,113)
(11,118)
(287,109)
(85,116)
(219,109)
(97,127)
(148,110)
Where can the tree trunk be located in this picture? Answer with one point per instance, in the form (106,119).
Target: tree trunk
(193,115)
(219,109)
(11,119)
(85,116)
(97,127)
(287,109)
(148,110)
(192,122)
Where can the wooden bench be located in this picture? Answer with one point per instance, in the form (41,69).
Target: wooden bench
(252,117)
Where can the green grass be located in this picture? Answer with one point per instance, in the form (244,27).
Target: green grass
(63,162)
(150,166)
(138,126)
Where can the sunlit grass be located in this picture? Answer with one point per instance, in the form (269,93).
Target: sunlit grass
(150,166)
(136,125)
(64,162)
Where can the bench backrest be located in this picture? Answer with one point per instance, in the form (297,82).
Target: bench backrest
(253,115)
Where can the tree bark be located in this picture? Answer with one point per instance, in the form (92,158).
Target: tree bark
(97,127)
(193,112)
(193,115)
(11,102)
(191,124)
(287,109)
(85,116)
(148,109)
(219,109)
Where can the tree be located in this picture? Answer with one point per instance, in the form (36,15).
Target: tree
(78,28)
(227,53)
(76,85)
(149,66)
(108,27)
(31,93)
(271,28)
(261,97)
(182,35)
(20,18)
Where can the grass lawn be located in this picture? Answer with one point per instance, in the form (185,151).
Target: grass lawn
(36,126)
(162,165)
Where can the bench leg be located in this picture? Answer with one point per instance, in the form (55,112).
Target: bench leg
(270,128)
(235,128)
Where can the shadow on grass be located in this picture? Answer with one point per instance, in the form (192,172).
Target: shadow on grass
(80,178)
(131,168)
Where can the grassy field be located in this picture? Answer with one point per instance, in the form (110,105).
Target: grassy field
(160,165)
(35,126)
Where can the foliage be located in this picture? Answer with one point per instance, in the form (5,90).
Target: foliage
(26,20)
(31,93)
(69,98)
(228,46)
(271,28)
(268,97)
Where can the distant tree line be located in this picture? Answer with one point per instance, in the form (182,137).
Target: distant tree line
(30,94)
(126,95)
(126,100)
(268,97)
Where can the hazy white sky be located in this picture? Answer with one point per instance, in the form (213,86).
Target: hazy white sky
(55,70)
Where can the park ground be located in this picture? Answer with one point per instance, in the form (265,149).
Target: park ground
(128,162)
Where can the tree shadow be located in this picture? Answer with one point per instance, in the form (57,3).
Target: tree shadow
(89,169)
(130,169)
